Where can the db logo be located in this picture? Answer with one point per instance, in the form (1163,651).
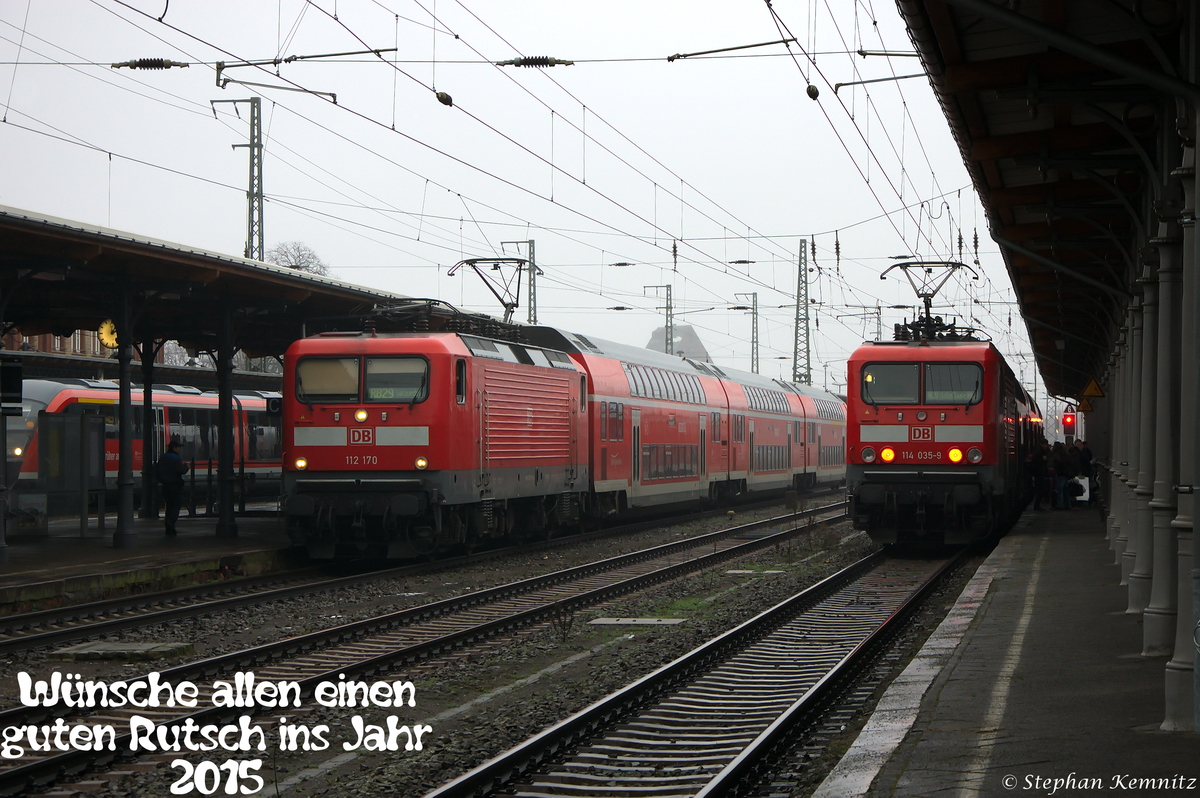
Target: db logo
(920,433)
(362,435)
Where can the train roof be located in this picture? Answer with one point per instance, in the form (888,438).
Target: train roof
(587,345)
(43,390)
(937,350)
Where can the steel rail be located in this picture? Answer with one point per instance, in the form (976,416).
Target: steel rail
(89,626)
(749,764)
(502,771)
(42,772)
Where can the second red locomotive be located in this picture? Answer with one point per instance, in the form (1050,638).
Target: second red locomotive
(403,443)
(938,436)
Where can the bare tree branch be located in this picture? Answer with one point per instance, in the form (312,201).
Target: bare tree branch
(297,255)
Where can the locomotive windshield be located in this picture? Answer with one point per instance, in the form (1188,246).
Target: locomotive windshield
(327,379)
(891,383)
(398,380)
(953,383)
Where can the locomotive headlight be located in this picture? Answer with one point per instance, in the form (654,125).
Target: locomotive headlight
(421,463)
(888,454)
(360,416)
(868,454)
(955,455)
(301,463)
(974,455)
(18,451)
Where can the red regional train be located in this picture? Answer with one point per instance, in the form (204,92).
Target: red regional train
(937,440)
(46,443)
(400,444)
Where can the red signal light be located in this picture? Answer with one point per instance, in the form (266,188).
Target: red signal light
(1068,421)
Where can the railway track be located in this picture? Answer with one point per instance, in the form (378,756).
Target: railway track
(96,619)
(709,723)
(424,634)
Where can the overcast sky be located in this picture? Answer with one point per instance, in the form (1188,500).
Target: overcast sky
(612,160)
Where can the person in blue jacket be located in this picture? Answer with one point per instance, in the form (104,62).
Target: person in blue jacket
(171,469)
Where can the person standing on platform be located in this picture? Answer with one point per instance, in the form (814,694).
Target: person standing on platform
(1060,462)
(171,469)
(1085,467)
(1039,468)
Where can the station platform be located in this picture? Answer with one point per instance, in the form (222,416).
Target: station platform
(61,566)
(1034,684)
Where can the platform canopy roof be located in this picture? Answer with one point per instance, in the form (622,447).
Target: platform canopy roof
(58,276)
(1066,116)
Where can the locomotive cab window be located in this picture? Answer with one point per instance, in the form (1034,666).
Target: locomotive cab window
(891,383)
(327,379)
(460,381)
(953,383)
(397,380)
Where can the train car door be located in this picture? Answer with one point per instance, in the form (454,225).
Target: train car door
(635,448)
(788,464)
(703,454)
(751,464)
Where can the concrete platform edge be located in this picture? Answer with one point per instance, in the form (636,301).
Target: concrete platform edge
(84,588)
(900,704)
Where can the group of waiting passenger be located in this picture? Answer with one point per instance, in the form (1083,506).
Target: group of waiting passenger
(1054,470)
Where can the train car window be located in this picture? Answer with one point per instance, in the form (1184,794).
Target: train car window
(676,385)
(655,385)
(635,380)
(396,380)
(262,431)
(327,379)
(206,423)
(460,381)
(604,421)
(583,393)
(616,419)
(186,428)
(891,383)
(953,383)
(716,427)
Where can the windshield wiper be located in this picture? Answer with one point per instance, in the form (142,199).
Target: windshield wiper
(420,389)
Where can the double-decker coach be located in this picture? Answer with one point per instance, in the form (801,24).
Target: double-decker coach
(667,428)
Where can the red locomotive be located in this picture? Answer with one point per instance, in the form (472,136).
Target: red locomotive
(403,443)
(939,434)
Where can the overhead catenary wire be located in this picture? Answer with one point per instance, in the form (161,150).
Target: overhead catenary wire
(484,216)
(439,151)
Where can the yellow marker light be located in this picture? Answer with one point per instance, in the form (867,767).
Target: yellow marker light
(888,454)
(421,463)
(360,416)
(868,454)
(301,463)
(18,451)
(956,455)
